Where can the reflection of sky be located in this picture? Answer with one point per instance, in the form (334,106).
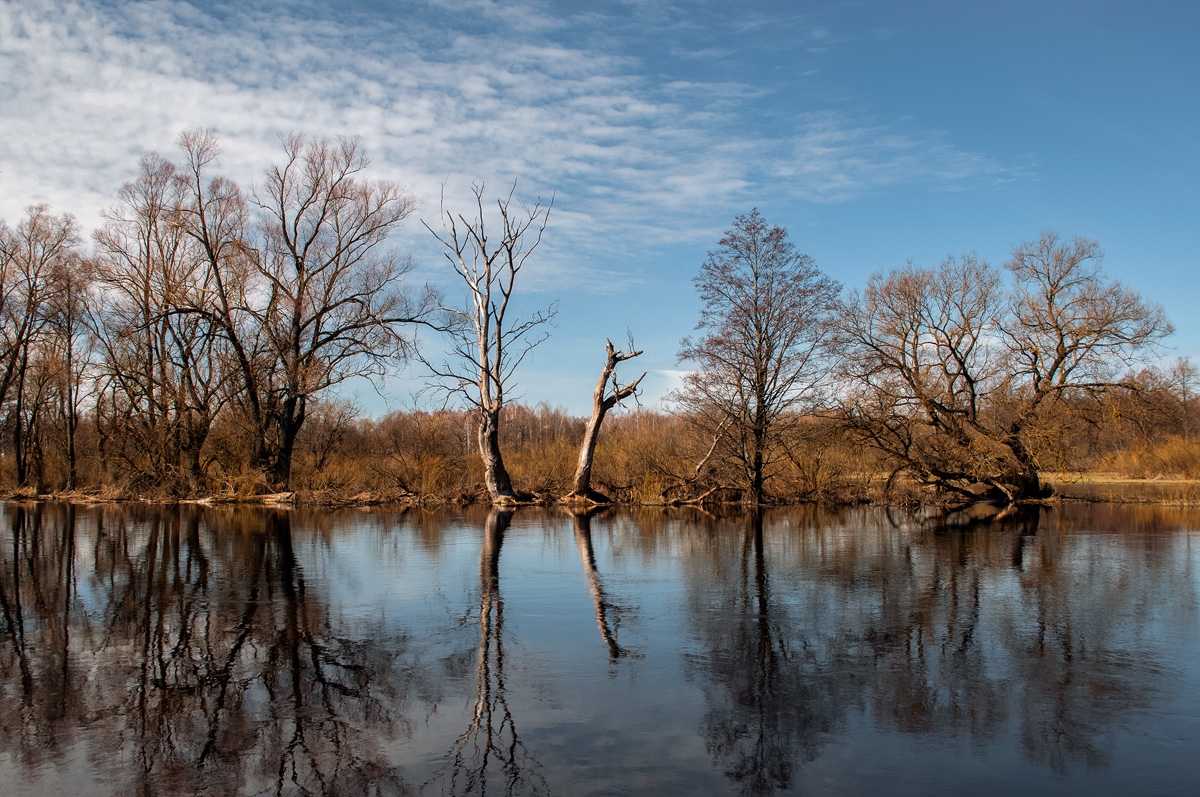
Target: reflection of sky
(577,712)
(841,591)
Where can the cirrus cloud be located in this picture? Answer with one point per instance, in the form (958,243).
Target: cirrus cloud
(441,94)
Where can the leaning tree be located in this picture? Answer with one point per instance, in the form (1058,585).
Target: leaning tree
(964,382)
(609,393)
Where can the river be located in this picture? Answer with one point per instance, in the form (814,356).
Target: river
(229,650)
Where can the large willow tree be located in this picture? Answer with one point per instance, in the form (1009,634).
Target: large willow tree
(307,294)
(256,303)
(965,381)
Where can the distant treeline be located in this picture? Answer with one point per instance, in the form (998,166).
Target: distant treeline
(192,348)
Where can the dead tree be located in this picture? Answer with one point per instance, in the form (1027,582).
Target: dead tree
(488,340)
(602,402)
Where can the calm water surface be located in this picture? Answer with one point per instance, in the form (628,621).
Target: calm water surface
(239,651)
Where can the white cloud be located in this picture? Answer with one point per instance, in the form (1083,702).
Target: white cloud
(90,86)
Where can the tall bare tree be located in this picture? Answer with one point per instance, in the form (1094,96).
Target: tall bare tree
(162,375)
(70,351)
(762,354)
(488,340)
(40,248)
(309,297)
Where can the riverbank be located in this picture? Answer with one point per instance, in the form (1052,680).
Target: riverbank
(1114,488)
(1068,486)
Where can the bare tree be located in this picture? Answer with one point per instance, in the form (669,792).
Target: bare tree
(488,340)
(70,349)
(921,359)
(763,351)
(162,372)
(311,297)
(31,256)
(325,432)
(964,383)
(1183,377)
(603,400)
(212,212)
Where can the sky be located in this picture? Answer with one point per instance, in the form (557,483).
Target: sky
(876,132)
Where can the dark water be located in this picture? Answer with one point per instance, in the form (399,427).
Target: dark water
(224,651)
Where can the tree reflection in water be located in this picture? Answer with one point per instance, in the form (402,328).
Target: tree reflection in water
(202,663)
(491,745)
(608,614)
(189,650)
(956,629)
(768,702)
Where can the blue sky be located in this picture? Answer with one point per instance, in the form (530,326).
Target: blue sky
(877,132)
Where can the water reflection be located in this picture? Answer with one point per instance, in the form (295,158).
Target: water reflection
(187,662)
(933,628)
(608,613)
(491,745)
(773,697)
(234,651)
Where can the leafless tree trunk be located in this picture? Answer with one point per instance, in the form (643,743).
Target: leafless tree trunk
(602,402)
(488,343)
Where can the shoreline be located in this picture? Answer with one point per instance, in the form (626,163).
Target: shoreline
(1068,488)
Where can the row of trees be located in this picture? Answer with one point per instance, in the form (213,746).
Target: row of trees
(201,303)
(199,300)
(191,343)
(960,375)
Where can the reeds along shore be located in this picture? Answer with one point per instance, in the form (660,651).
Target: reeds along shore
(1144,451)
